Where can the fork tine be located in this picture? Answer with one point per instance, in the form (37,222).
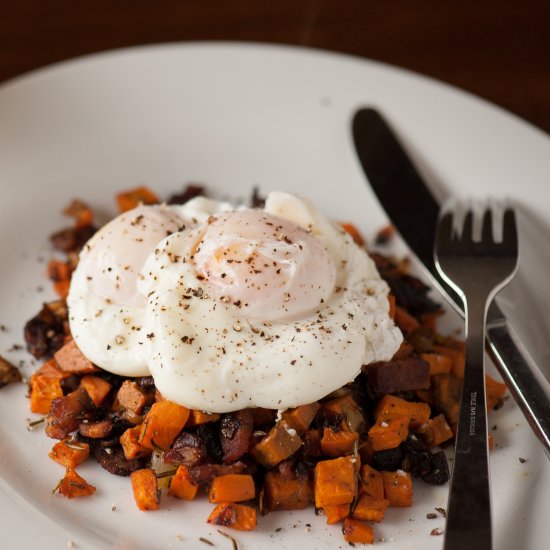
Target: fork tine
(487,227)
(468,227)
(445,232)
(509,231)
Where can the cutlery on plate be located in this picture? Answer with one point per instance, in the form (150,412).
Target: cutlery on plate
(476,270)
(414,211)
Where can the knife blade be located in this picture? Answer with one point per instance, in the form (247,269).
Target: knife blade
(413,211)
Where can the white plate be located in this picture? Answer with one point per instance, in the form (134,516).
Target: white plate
(235,116)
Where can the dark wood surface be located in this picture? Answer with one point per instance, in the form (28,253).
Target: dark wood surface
(497,49)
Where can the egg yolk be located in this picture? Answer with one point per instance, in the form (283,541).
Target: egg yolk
(267,265)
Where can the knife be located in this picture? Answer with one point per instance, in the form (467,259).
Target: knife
(413,211)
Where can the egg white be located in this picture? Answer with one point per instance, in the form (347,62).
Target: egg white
(207,354)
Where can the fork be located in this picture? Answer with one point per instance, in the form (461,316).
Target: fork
(477,270)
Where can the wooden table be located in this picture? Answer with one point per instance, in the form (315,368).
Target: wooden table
(497,49)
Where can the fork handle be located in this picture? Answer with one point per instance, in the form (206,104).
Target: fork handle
(469,507)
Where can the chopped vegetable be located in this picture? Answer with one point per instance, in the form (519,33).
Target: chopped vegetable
(301,417)
(439,364)
(435,431)
(337,513)
(355,234)
(457,357)
(390,405)
(335,482)
(232,488)
(70,453)
(389,431)
(370,509)
(398,488)
(197,418)
(285,490)
(43,391)
(130,444)
(371,482)
(60,274)
(74,486)
(97,388)
(281,442)
(81,212)
(338,443)
(182,486)
(162,424)
(355,531)
(134,197)
(236,516)
(146,490)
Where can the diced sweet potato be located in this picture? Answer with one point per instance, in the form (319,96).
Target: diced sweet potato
(391,405)
(74,486)
(301,417)
(235,516)
(70,453)
(338,443)
(371,482)
(457,357)
(134,197)
(130,444)
(43,391)
(81,213)
(410,373)
(97,388)
(355,234)
(446,389)
(370,509)
(50,369)
(232,488)
(281,442)
(355,531)
(197,418)
(435,431)
(182,486)
(71,359)
(344,406)
(439,364)
(337,513)
(334,482)
(389,432)
(398,488)
(59,273)
(312,443)
(283,493)
(391,300)
(162,424)
(146,490)
(405,321)
(494,391)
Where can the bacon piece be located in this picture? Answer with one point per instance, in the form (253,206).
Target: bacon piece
(235,432)
(67,412)
(401,375)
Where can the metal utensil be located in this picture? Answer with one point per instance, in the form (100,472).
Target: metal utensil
(476,270)
(413,211)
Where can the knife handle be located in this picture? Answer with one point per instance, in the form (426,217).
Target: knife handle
(527,384)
